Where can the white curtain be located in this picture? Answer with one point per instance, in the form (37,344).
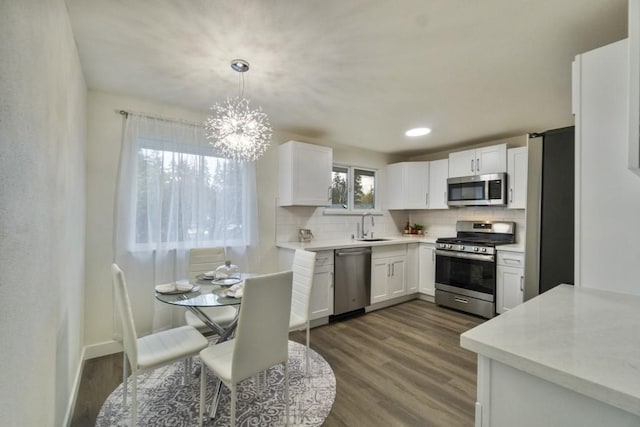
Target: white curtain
(174,193)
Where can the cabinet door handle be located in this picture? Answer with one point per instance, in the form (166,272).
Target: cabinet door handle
(462,300)
(388,270)
(433,255)
(329,194)
(517,261)
(445,198)
(472,170)
(521,283)
(511,195)
(331,280)
(426,199)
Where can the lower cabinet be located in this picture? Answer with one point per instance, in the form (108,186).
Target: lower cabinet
(427,273)
(413,268)
(509,280)
(388,279)
(321,304)
(322,290)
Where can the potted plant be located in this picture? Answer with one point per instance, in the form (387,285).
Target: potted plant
(417,229)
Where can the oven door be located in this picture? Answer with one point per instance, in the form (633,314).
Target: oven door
(468,274)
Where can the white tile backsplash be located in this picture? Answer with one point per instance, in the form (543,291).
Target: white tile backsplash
(437,223)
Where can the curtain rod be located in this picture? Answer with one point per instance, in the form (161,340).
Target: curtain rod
(126,114)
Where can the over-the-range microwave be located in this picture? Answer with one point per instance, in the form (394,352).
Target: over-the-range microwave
(477,190)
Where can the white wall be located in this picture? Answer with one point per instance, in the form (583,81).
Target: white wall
(607,192)
(42,213)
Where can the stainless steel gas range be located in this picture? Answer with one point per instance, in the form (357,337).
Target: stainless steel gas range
(466,265)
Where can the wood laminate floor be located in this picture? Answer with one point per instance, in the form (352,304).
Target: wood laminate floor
(399,366)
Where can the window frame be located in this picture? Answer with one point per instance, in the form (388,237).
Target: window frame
(351,173)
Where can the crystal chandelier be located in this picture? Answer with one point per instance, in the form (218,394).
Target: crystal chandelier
(234,129)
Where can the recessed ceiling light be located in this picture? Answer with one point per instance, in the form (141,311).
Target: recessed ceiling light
(417,131)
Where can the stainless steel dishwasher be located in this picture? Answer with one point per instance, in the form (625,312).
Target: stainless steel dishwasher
(352,280)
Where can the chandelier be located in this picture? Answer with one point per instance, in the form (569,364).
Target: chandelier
(234,129)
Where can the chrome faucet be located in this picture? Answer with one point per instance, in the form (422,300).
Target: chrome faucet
(365,233)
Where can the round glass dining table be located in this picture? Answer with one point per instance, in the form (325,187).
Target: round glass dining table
(208,293)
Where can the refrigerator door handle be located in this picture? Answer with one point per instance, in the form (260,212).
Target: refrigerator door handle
(521,283)
(511,195)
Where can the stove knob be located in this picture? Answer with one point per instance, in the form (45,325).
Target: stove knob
(448,246)
(475,249)
(484,249)
(461,247)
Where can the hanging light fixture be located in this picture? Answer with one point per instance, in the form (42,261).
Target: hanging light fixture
(236,130)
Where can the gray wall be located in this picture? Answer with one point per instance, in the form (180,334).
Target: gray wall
(42,213)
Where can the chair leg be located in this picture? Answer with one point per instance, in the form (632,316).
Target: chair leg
(306,362)
(203,389)
(286,392)
(232,421)
(124,379)
(187,371)
(134,399)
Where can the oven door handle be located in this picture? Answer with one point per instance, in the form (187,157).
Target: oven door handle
(466,255)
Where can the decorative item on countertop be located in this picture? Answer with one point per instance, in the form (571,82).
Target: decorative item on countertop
(417,229)
(305,235)
(407,228)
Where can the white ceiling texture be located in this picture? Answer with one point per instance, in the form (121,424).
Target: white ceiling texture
(354,72)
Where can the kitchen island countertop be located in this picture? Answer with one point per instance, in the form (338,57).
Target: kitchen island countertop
(582,339)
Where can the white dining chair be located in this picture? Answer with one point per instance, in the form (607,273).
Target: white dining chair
(202,260)
(304,264)
(151,351)
(261,339)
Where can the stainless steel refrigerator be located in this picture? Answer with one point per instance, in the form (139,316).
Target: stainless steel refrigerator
(549,245)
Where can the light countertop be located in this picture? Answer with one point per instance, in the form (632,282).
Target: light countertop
(583,339)
(318,245)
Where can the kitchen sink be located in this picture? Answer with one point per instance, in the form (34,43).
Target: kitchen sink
(373,240)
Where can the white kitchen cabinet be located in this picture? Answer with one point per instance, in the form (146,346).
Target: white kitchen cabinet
(491,159)
(427,274)
(322,290)
(304,174)
(321,304)
(413,268)
(438,174)
(388,279)
(509,280)
(407,185)
(517,177)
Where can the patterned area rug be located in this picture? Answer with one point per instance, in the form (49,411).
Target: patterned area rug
(164,401)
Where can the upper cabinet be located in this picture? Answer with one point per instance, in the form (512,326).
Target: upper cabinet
(417,185)
(491,159)
(407,185)
(438,174)
(517,177)
(304,174)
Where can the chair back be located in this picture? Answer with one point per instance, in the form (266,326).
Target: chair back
(129,338)
(304,264)
(202,260)
(262,335)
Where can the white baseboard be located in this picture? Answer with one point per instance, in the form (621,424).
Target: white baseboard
(102,349)
(71,404)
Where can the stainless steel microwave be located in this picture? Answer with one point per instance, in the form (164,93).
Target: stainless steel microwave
(477,190)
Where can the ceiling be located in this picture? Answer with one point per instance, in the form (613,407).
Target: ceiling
(354,72)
